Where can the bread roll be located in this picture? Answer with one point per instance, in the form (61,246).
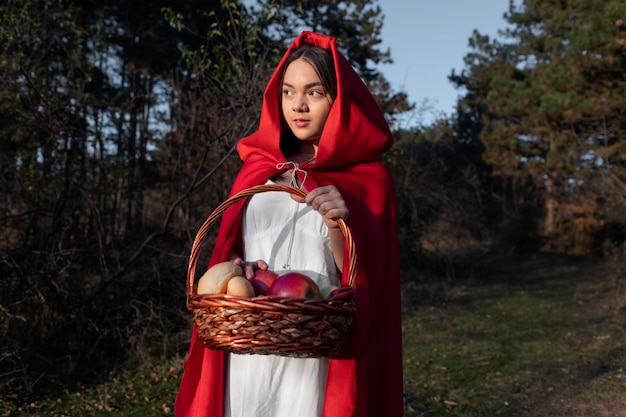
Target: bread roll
(215,279)
(240,287)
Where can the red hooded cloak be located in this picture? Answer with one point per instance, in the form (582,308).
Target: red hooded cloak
(365,378)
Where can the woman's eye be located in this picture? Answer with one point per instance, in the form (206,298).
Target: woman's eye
(286,93)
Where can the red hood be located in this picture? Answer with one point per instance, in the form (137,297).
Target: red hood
(355,131)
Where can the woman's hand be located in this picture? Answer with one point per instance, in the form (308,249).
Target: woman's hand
(250,268)
(328,202)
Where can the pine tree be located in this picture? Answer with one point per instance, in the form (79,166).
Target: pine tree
(552,104)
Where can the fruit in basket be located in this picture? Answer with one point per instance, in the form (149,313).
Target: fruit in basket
(239,286)
(215,279)
(294,285)
(325,292)
(263,279)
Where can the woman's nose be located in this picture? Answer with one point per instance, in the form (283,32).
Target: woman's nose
(299,104)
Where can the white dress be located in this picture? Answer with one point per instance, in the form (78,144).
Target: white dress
(288,236)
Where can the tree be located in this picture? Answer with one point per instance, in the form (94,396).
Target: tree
(551,101)
(438,183)
(90,184)
(119,125)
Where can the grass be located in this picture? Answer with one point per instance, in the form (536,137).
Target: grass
(539,336)
(125,393)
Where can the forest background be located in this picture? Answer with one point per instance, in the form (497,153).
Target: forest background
(118,127)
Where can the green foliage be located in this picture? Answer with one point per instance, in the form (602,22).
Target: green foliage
(438,183)
(118,126)
(85,222)
(551,103)
(356,25)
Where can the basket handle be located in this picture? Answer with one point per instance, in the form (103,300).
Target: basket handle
(202,232)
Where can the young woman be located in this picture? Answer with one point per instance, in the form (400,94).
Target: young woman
(321,130)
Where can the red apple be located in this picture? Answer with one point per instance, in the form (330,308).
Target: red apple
(262,280)
(294,285)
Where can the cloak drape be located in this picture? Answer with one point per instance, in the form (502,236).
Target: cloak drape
(365,378)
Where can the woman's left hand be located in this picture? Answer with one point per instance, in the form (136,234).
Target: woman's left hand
(328,202)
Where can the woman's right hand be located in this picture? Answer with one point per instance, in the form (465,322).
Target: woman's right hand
(249,268)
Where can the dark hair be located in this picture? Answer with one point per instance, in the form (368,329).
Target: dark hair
(322,61)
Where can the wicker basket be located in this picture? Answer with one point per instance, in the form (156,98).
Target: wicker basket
(271,325)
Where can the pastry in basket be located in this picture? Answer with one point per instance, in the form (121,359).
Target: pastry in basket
(215,279)
(225,278)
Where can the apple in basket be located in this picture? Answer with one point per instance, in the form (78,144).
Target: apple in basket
(263,279)
(326,291)
(294,285)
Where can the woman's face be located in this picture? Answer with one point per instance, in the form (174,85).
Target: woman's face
(305,102)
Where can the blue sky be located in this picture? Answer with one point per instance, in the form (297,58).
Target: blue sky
(429,38)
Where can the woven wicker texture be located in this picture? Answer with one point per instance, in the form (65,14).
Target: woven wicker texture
(270,325)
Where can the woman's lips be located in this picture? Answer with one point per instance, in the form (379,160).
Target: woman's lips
(301,122)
